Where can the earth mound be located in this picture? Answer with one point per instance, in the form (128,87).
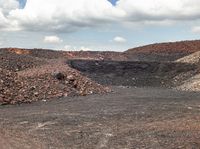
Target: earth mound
(193,82)
(193,58)
(24,78)
(52,54)
(18,59)
(170,51)
(9,86)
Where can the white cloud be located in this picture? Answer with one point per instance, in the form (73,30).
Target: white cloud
(70,15)
(7,5)
(74,48)
(63,15)
(68,47)
(159,10)
(52,39)
(85,49)
(196,29)
(119,39)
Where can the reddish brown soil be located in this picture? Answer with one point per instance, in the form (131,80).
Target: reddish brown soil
(175,47)
(25,78)
(50,54)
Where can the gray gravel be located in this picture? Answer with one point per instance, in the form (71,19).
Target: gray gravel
(127,118)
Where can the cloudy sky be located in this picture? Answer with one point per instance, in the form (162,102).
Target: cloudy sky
(96,24)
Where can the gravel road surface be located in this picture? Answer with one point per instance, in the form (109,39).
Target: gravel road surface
(127,118)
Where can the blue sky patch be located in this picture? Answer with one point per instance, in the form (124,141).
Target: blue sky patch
(22,3)
(113,2)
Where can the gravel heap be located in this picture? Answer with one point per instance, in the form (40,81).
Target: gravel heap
(57,79)
(192,84)
(192,78)
(193,58)
(52,54)
(43,83)
(169,47)
(9,86)
(24,78)
(10,60)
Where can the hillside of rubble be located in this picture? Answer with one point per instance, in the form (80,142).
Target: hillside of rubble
(25,78)
(39,74)
(169,51)
(193,82)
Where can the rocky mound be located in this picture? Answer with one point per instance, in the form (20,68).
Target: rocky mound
(18,60)
(25,78)
(193,58)
(181,46)
(52,54)
(45,82)
(9,86)
(56,78)
(170,51)
(192,83)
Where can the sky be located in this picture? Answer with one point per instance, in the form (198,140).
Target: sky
(104,25)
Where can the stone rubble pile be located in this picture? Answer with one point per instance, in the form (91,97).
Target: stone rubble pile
(24,78)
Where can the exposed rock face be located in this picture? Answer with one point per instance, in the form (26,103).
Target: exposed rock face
(138,74)
(30,75)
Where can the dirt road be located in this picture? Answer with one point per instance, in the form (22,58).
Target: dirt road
(127,118)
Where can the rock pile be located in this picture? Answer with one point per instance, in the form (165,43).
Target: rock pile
(169,47)
(56,80)
(193,58)
(192,81)
(10,60)
(24,78)
(192,84)
(169,51)
(9,86)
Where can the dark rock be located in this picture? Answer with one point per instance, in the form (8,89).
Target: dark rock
(59,75)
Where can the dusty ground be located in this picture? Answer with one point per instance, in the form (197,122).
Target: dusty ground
(127,118)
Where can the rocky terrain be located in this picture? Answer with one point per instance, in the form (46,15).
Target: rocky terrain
(50,54)
(135,73)
(146,97)
(149,118)
(170,51)
(193,82)
(25,78)
(36,74)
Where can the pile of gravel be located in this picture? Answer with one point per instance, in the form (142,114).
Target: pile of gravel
(16,88)
(10,60)
(193,58)
(25,79)
(57,79)
(9,86)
